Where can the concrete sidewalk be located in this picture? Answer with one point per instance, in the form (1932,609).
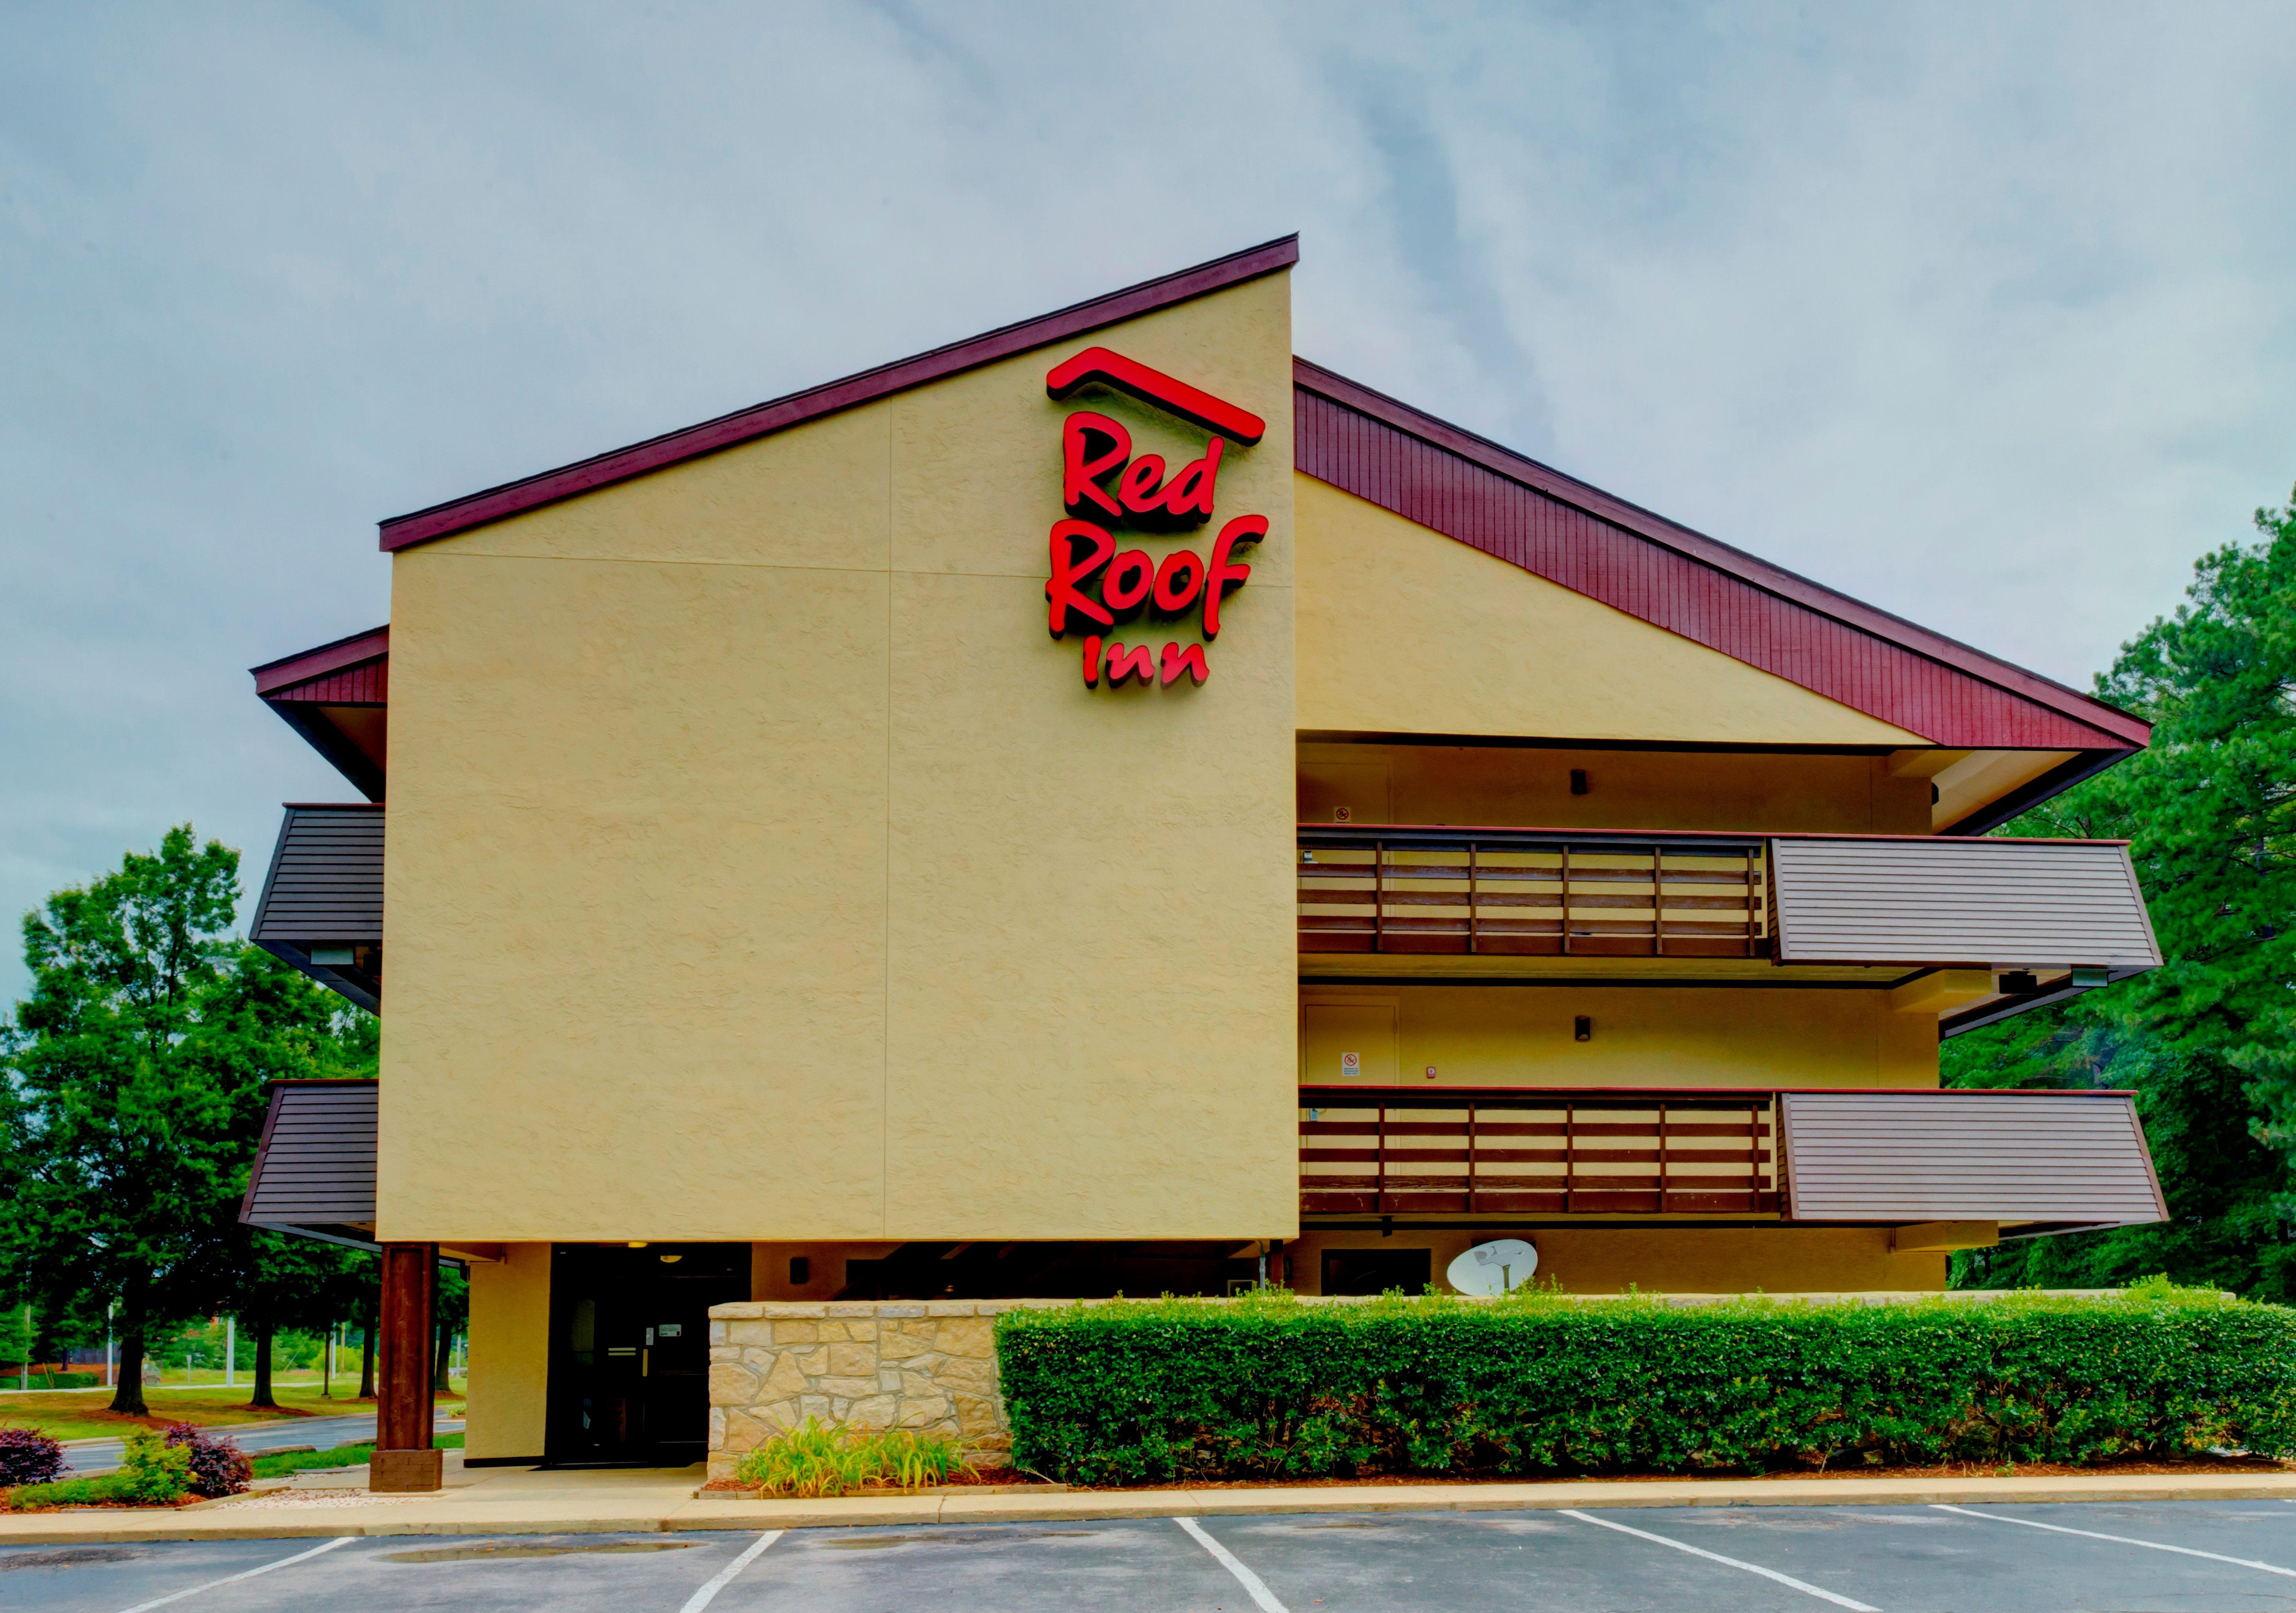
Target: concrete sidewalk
(525,1501)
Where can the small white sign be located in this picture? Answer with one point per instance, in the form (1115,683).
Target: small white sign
(1350,1064)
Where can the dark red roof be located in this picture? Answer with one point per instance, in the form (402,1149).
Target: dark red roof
(330,673)
(781,412)
(1522,511)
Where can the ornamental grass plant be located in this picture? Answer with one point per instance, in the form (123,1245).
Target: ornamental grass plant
(817,1459)
(1538,1383)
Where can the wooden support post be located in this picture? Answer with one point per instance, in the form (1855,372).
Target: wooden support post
(1569,1154)
(403,1460)
(1566,915)
(1378,1152)
(1658,908)
(1662,1184)
(1472,867)
(1379,895)
(1470,1158)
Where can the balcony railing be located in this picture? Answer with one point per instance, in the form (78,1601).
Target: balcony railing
(1526,892)
(2043,1161)
(2053,906)
(1552,1151)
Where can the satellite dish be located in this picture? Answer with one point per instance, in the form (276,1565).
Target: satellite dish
(1496,1267)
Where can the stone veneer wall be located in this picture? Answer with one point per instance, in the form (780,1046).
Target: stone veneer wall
(923,1364)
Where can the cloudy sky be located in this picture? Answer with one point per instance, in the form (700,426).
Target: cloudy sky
(1985,313)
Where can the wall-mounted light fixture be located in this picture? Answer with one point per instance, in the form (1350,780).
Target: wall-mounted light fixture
(1578,780)
(1582,1029)
(801,1271)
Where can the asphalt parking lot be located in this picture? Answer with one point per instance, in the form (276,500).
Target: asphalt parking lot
(2200,1556)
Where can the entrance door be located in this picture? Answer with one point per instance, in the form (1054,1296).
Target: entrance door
(630,1359)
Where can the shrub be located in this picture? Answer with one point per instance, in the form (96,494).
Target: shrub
(154,1472)
(28,1456)
(1143,1392)
(219,1467)
(812,1460)
(69,1493)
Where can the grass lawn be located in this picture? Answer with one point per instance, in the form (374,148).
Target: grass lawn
(81,1413)
(339,1456)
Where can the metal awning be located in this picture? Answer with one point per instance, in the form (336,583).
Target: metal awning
(2036,1161)
(322,905)
(315,1169)
(1984,903)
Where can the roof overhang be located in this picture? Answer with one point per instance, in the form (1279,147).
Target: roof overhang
(337,697)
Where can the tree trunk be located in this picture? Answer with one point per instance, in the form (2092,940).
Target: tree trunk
(127,1396)
(439,1381)
(366,1360)
(262,1395)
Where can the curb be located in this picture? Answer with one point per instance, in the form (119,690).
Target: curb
(1077,1506)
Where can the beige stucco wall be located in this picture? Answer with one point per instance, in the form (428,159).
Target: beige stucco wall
(1502,1036)
(510,1353)
(1403,630)
(760,869)
(1530,787)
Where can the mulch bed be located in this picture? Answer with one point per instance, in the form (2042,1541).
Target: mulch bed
(2255,1466)
(1010,1478)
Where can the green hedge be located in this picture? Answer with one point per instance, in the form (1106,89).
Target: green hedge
(1144,1392)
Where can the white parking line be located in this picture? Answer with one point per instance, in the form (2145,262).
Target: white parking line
(2154,1546)
(1245,1577)
(702,1599)
(161,1601)
(1751,1567)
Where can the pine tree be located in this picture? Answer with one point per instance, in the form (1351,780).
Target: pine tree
(2209,1041)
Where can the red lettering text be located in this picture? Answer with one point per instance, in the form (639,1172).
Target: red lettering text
(1190,660)
(1061,590)
(1092,661)
(1125,589)
(1224,577)
(1083,463)
(1137,490)
(1188,496)
(1178,580)
(1124,665)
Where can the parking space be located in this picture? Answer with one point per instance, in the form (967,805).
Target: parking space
(2209,1557)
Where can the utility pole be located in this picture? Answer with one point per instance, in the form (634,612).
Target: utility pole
(110,1369)
(229,1352)
(24,1367)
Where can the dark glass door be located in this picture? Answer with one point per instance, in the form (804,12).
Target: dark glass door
(629,1360)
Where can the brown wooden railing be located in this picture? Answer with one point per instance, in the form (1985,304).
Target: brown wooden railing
(1530,892)
(1390,1151)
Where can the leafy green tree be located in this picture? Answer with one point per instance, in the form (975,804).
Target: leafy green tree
(133,1093)
(2208,1043)
(450,1315)
(264,1016)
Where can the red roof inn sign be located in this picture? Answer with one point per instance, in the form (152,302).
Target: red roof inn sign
(1094,587)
